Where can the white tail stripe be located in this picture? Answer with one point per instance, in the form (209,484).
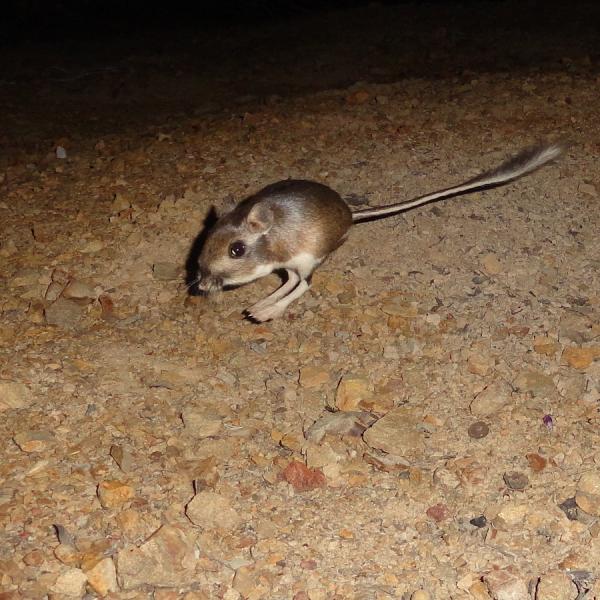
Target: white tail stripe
(527,161)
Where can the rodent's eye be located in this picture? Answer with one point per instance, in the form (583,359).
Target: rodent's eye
(237,249)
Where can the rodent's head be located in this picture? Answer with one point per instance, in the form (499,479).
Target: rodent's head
(235,249)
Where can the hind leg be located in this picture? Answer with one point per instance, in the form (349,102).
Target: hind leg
(280,292)
(277,308)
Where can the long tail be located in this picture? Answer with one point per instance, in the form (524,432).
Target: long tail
(523,163)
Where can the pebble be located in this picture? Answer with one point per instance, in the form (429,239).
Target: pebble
(491,265)
(480,521)
(102,577)
(588,493)
(420,595)
(340,423)
(70,584)
(64,313)
(14,394)
(580,357)
(114,493)
(396,433)
(539,384)
(536,462)
(122,456)
(438,512)
(556,585)
(166,271)
(350,392)
(516,480)
(209,509)
(503,585)
(589,189)
(33,441)
(167,559)
(201,422)
(301,478)
(546,346)
(479,364)
(314,376)
(491,400)
(79,290)
(478,430)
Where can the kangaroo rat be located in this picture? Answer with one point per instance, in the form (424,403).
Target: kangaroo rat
(295,224)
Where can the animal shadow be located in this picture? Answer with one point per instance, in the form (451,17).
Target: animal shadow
(191,263)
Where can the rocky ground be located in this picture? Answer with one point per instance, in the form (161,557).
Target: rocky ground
(422,424)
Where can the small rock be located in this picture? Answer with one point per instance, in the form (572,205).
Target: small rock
(546,346)
(102,577)
(516,480)
(493,398)
(556,585)
(201,422)
(209,509)
(503,585)
(588,493)
(491,265)
(340,423)
(13,395)
(120,203)
(64,313)
(301,478)
(79,290)
(166,271)
(580,357)
(113,493)
(479,364)
(479,522)
(535,382)
(536,462)
(167,559)
(420,595)
(70,584)
(351,390)
(589,189)
(438,512)
(122,456)
(313,377)
(478,430)
(396,433)
(358,97)
(33,441)
(511,515)
(570,508)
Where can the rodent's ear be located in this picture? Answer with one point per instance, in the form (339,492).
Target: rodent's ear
(260,218)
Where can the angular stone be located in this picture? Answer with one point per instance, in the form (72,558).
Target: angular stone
(340,423)
(396,433)
(351,390)
(13,395)
(580,357)
(102,577)
(556,585)
(503,585)
(79,290)
(122,456)
(313,376)
(166,271)
(546,346)
(588,493)
(113,493)
(168,558)
(493,398)
(212,510)
(535,382)
(201,422)
(70,584)
(33,441)
(64,313)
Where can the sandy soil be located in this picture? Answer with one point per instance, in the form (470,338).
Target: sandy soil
(156,445)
